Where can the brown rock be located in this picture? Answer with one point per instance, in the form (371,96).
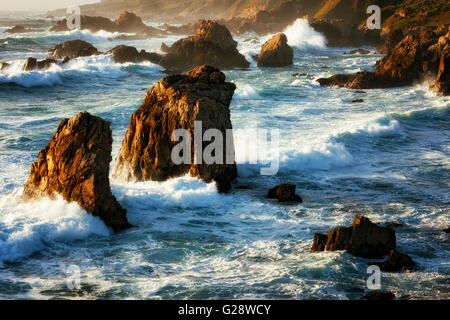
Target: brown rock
(396,262)
(284,193)
(392,39)
(131,23)
(363,238)
(359,51)
(73,49)
(357,100)
(276,52)
(4,65)
(211,45)
(93,24)
(442,83)
(20,29)
(173,103)
(75,164)
(33,64)
(124,54)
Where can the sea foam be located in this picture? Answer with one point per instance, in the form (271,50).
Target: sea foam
(301,34)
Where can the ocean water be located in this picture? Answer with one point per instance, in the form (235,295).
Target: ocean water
(386,158)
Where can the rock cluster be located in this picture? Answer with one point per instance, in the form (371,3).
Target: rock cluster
(75,165)
(396,262)
(176,102)
(33,64)
(276,52)
(363,239)
(73,49)
(212,45)
(124,54)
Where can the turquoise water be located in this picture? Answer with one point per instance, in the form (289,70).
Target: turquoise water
(386,158)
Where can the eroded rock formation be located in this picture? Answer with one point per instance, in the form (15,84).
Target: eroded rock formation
(284,193)
(363,238)
(124,54)
(212,45)
(276,52)
(33,64)
(73,49)
(75,165)
(396,262)
(176,102)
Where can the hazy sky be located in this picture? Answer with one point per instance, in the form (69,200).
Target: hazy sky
(39,5)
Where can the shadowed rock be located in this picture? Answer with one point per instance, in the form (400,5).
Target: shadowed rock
(442,83)
(363,238)
(75,165)
(359,51)
(396,262)
(174,103)
(20,29)
(4,65)
(131,23)
(276,52)
(284,193)
(124,54)
(33,64)
(212,45)
(73,49)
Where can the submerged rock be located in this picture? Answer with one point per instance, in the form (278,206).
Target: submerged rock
(212,45)
(20,29)
(396,262)
(284,193)
(363,238)
(359,51)
(176,102)
(73,49)
(276,52)
(33,64)
(357,100)
(75,165)
(124,54)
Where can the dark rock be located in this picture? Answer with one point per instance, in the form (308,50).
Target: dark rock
(124,54)
(396,262)
(73,49)
(284,193)
(442,83)
(20,29)
(320,241)
(299,75)
(75,165)
(363,238)
(359,51)
(131,23)
(212,45)
(93,24)
(4,65)
(276,52)
(392,39)
(447,230)
(33,64)
(176,102)
(357,100)
(379,295)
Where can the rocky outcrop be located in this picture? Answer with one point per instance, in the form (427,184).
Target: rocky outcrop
(92,24)
(390,41)
(396,262)
(33,64)
(124,54)
(363,239)
(131,23)
(4,65)
(73,49)
(276,52)
(442,83)
(212,45)
(359,51)
(415,56)
(20,29)
(284,193)
(176,102)
(75,165)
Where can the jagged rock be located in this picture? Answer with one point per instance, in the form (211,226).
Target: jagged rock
(396,262)
(276,52)
(359,51)
(124,54)
(211,45)
(4,65)
(284,193)
(363,238)
(33,64)
(93,24)
(73,49)
(442,83)
(392,39)
(379,295)
(75,165)
(131,23)
(176,102)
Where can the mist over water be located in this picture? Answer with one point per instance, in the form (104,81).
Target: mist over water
(386,158)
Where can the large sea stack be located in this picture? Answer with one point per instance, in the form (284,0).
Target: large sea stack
(276,52)
(75,165)
(173,103)
(212,45)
